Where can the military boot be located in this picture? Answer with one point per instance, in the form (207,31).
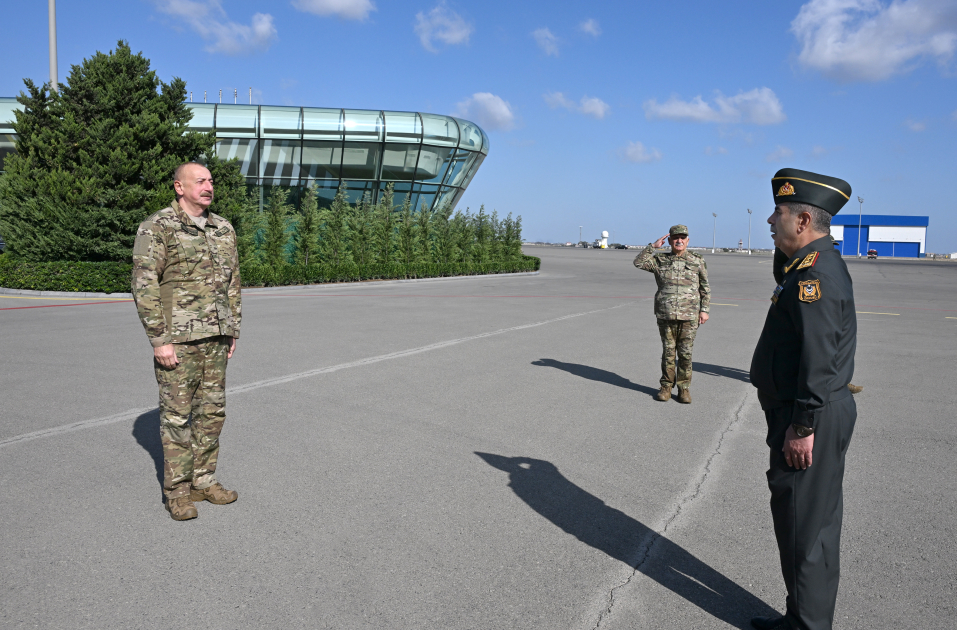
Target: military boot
(855,389)
(216,493)
(684,395)
(181,508)
(664,394)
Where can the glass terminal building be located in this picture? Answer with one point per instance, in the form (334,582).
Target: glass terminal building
(427,157)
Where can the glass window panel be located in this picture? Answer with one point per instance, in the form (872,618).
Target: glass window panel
(360,160)
(433,162)
(321,160)
(290,186)
(446,197)
(325,190)
(8,145)
(321,124)
(398,161)
(458,197)
(479,158)
(237,121)
(485,143)
(423,194)
(471,135)
(355,191)
(363,124)
(459,167)
(203,114)
(244,150)
(403,127)
(280,122)
(280,159)
(400,191)
(440,130)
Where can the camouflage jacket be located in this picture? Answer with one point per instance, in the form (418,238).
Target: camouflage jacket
(186,279)
(683,289)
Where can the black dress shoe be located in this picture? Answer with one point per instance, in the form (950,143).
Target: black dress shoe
(771,623)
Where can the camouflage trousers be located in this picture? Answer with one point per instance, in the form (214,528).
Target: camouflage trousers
(192,403)
(677,339)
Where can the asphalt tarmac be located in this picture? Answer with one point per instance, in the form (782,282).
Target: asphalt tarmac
(468,453)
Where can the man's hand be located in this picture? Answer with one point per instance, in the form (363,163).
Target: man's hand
(661,242)
(166,356)
(702,318)
(797,450)
(232,347)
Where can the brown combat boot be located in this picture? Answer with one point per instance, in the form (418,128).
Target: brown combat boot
(664,394)
(181,508)
(855,389)
(684,395)
(216,493)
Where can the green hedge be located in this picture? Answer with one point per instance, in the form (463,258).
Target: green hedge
(114,277)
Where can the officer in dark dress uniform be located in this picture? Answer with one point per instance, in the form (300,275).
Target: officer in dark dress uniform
(801,367)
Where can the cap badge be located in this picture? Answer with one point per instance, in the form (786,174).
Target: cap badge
(786,189)
(809,290)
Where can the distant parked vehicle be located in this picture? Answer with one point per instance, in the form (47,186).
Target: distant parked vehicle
(872,253)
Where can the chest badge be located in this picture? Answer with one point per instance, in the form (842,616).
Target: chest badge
(808,261)
(809,290)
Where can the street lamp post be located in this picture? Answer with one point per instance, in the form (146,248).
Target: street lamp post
(53,72)
(714,231)
(749,231)
(860,216)
(579,235)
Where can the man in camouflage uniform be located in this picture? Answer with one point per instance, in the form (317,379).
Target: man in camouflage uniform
(186,289)
(681,305)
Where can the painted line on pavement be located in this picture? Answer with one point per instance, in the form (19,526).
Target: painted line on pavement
(716,304)
(870,313)
(30,297)
(132,414)
(20,308)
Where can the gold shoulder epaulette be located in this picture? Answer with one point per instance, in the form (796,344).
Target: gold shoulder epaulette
(809,260)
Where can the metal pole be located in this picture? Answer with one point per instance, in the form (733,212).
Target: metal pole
(714,231)
(860,216)
(250,96)
(579,234)
(749,231)
(53,72)
(235,96)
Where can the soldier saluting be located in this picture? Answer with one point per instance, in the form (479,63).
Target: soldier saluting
(682,303)
(801,367)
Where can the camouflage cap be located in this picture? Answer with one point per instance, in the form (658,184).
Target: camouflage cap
(678,229)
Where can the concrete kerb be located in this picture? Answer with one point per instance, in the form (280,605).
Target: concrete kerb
(327,285)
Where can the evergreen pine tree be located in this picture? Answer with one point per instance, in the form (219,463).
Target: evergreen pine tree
(277,221)
(482,230)
(248,223)
(384,227)
(306,236)
(463,227)
(362,231)
(334,225)
(444,235)
(406,234)
(96,158)
(423,234)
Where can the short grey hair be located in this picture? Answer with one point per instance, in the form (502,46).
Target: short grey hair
(820,219)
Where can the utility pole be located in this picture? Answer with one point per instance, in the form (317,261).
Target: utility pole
(235,96)
(53,72)
(714,231)
(749,231)
(860,216)
(579,235)
(250,96)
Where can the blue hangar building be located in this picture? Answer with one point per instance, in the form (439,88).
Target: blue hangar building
(895,236)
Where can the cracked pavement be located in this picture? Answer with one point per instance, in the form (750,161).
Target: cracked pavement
(472,453)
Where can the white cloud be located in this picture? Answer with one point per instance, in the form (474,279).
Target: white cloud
(208,20)
(715,151)
(915,125)
(589,105)
(546,40)
(345,9)
(866,40)
(636,152)
(442,24)
(760,106)
(818,151)
(779,154)
(488,110)
(591,27)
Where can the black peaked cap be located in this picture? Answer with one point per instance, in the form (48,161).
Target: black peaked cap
(828,193)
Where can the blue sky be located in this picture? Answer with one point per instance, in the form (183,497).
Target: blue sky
(610,115)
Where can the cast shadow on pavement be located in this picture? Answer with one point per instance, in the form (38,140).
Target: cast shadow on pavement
(586,517)
(720,370)
(595,374)
(147,434)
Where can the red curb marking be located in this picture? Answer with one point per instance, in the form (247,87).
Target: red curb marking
(17,308)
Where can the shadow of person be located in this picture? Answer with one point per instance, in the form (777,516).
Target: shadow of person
(586,517)
(595,374)
(720,370)
(147,434)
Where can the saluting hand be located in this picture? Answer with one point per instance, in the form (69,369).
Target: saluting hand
(661,241)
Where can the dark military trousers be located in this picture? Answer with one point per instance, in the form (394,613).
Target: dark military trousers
(807,507)
(192,403)
(677,339)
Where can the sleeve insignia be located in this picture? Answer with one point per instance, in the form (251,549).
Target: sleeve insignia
(808,261)
(789,267)
(786,189)
(809,290)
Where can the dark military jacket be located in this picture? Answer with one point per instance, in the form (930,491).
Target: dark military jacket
(805,355)
(683,289)
(186,278)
